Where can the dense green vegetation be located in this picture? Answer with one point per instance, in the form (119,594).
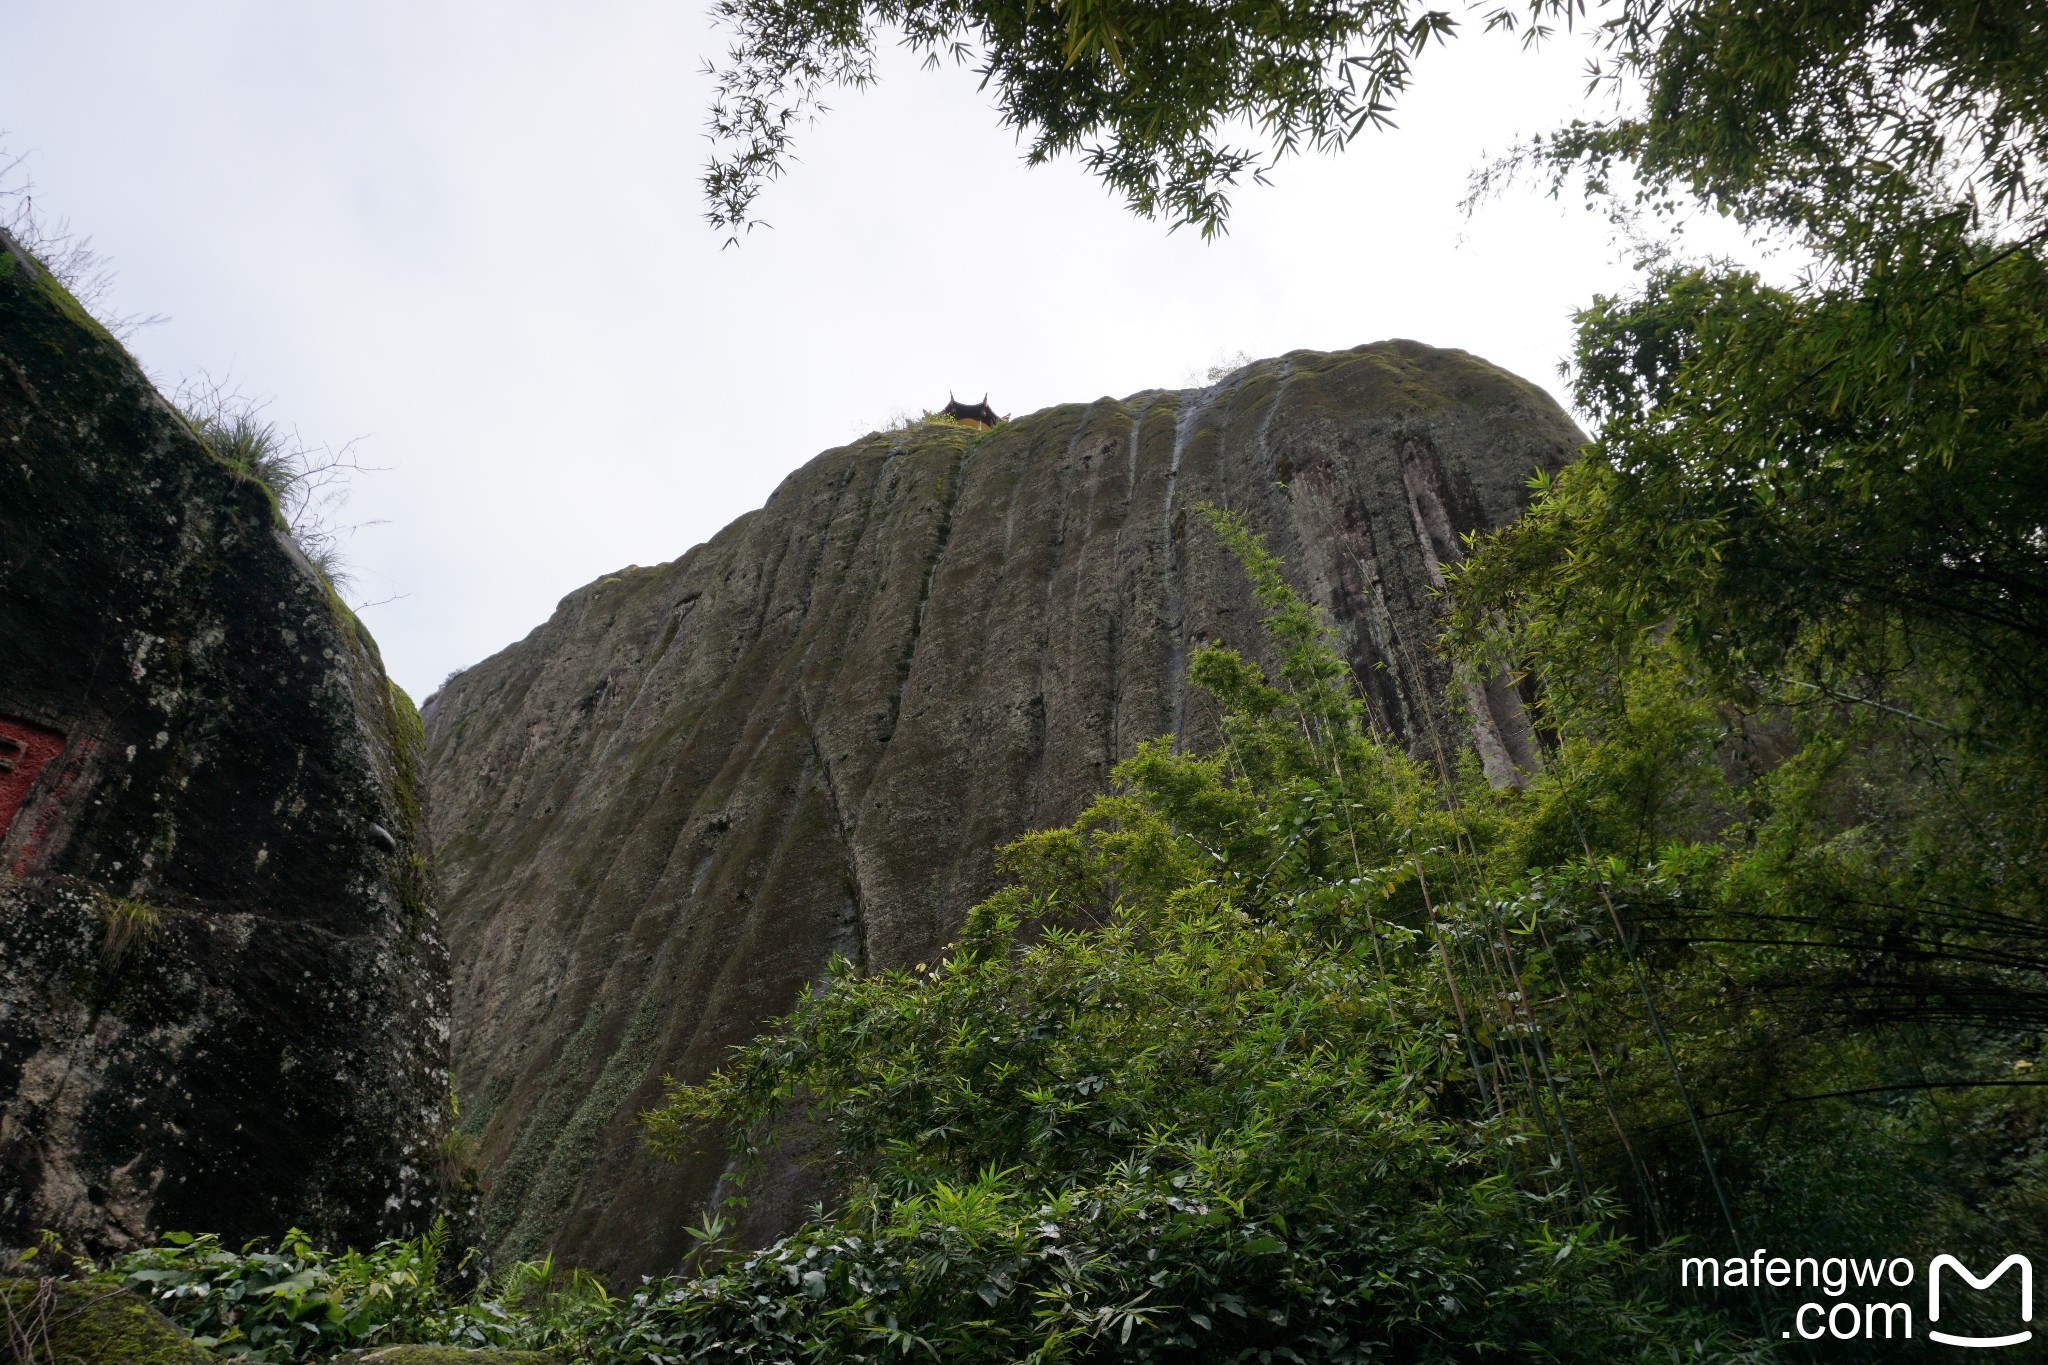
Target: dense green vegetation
(1261,1058)
(293,1301)
(1311,1049)
(1774,111)
(1734,971)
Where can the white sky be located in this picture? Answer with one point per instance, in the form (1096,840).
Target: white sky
(469,232)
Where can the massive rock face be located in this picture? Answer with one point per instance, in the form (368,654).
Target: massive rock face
(222,995)
(660,813)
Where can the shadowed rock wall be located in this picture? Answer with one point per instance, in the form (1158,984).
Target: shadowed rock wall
(222,994)
(658,814)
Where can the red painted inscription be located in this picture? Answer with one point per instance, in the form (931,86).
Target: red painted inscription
(24,749)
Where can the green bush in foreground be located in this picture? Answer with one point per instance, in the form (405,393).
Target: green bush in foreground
(293,1302)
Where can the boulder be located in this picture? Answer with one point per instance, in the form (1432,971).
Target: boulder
(659,815)
(74,1322)
(223,1000)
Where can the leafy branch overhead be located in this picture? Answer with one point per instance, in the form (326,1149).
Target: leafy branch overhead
(1801,114)
(1143,92)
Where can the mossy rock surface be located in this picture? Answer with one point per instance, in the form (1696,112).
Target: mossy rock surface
(74,1323)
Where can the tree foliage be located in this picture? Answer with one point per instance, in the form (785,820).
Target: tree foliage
(1143,92)
(1813,519)
(1721,976)
(1244,1064)
(1819,510)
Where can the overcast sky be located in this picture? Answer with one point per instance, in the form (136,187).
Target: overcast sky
(469,233)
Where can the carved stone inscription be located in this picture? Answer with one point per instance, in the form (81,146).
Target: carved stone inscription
(24,750)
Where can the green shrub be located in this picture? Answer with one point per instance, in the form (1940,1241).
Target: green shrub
(293,1302)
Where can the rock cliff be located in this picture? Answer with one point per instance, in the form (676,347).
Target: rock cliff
(222,994)
(658,814)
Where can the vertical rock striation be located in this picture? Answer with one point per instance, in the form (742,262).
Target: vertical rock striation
(223,1000)
(659,814)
